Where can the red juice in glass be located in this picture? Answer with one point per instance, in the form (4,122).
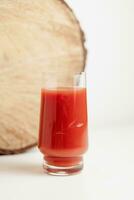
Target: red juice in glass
(63,129)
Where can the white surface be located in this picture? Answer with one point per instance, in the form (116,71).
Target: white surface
(109,28)
(108,172)
(109,164)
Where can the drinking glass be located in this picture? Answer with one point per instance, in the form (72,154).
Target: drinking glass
(63,135)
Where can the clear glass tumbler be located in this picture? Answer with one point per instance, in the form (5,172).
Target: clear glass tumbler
(63,137)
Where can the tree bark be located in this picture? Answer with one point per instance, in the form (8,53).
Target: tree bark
(36,37)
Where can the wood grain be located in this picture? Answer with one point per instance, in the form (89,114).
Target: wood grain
(36,37)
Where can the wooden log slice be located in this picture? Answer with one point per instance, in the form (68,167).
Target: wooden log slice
(36,37)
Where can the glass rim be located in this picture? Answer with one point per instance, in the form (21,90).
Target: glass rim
(50,80)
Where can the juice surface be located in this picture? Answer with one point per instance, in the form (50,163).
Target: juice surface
(63,123)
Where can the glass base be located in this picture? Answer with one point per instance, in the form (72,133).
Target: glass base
(62,170)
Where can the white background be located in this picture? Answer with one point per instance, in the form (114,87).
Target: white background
(109,27)
(109,163)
